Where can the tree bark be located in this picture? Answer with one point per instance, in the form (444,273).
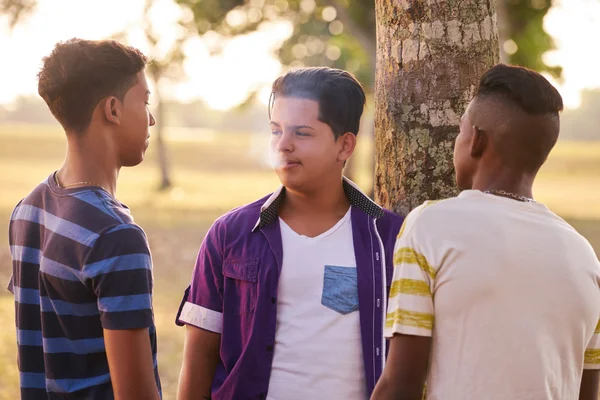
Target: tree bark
(430,56)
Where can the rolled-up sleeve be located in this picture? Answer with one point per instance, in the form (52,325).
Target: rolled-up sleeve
(202,304)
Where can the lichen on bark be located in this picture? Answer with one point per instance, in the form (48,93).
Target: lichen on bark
(430,56)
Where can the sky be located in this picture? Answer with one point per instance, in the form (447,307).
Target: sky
(247,63)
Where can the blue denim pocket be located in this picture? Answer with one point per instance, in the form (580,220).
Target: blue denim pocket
(340,289)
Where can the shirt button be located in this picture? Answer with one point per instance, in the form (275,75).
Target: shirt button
(262,396)
(269,348)
(273,300)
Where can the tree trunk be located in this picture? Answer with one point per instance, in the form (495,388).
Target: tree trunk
(163,161)
(430,56)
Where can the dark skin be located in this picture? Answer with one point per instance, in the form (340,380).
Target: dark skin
(116,137)
(499,148)
(405,370)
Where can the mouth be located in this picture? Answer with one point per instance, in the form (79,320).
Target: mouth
(289,164)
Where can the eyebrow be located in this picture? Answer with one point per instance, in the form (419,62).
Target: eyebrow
(293,127)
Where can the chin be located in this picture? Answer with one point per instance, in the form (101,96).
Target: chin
(291,182)
(132,162)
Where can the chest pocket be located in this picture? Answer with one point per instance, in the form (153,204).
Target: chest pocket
(340,289)
(240,286)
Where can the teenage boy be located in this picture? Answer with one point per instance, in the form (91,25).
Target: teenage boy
(82,272)
(494,296)
(288,296)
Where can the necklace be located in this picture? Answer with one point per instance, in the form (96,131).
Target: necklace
(74,184)
(510,195)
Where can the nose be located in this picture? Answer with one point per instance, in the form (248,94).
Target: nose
(152,120)
(286,143)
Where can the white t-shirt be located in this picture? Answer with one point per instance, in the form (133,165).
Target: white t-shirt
(318,348)
(508,290)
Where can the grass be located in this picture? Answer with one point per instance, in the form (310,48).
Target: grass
(214,173)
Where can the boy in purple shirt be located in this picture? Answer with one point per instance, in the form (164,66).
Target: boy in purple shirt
(288,296)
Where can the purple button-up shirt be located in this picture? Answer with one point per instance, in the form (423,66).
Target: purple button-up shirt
(235,281)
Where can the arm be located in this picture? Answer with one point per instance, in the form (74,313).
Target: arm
(406,369)
(130,363)
(119,271)
(409,322)
(589,384)
(200,359)
(591,368)
(202,313)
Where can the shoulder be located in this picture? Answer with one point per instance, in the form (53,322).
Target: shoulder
(241,219)
(104,205)
(119,247)
(119,240)
(431,214)
(390,222)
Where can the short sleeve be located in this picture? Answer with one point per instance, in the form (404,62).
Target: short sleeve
(202,304)
(119,270)
(592,352)
(410,304)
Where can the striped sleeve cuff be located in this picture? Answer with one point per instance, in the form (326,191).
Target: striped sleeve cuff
(592,359)
(592,353)
(201,317)
(408,323)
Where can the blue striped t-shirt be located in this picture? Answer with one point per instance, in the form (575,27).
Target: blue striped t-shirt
(80,265)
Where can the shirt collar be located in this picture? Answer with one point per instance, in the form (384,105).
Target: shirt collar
(270,209)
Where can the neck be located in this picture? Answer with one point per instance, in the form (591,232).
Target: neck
(328,199)
(91,160)
(515,182)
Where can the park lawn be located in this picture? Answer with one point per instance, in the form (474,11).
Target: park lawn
(213,173)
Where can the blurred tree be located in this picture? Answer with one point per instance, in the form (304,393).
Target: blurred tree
(523,40)
(337,33)
(341,33)
(165,65)
(16,10)
(430,57)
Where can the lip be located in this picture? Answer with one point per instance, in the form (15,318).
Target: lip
(289,164)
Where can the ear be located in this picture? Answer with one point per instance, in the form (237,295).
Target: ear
(479,142)
(112,110)
(347,144)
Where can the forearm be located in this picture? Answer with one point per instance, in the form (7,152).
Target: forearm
(388,389)
(589,385)
(130,363)
(196,379)
(200,360)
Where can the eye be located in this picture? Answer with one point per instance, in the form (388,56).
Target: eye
(275,132)
(302,134)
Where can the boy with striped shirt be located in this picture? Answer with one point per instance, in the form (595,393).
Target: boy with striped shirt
(82,271)
(494,296)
